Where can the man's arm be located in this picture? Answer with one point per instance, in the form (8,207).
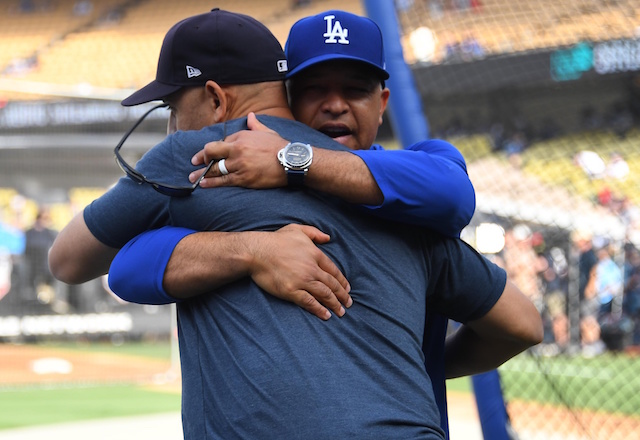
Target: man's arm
(76,243)
(285,263)
(251,158)
(426,184)
(511,326)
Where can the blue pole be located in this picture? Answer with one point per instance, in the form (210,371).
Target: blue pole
(491,408)
(405,109)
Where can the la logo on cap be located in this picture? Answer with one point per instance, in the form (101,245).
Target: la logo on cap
(335,30)
(193,71)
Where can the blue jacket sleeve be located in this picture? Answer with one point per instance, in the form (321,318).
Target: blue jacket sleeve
(426,184)
(137,271)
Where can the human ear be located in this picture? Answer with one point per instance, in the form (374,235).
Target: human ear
(219,101)
(384,100)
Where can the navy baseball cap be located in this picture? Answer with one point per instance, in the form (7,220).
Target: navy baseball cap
(222,46)
(335,35)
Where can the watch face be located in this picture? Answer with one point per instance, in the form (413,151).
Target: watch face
(297,155)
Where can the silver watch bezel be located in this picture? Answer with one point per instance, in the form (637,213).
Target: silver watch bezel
(287,164)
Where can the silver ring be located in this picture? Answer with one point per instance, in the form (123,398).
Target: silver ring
(223,169)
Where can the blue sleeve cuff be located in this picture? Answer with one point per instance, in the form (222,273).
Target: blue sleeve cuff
(137,272)
(426,185)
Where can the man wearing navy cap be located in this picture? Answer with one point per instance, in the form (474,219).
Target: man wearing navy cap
(257,367)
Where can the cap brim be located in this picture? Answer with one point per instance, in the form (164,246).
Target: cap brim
(154,91)
(334,56)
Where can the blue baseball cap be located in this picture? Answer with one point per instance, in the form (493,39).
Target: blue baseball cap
(334,35)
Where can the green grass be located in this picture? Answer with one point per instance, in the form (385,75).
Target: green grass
(155,349)
(43,405)
(606,383)
(462,384)
(46,406)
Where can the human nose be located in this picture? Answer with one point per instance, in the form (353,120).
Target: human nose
(335,103)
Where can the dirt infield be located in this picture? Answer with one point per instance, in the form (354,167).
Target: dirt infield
(33,365)
(534,421)
(537,421)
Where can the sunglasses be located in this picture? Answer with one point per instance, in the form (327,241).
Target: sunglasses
(136,176)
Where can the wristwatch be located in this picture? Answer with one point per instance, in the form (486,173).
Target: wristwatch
(296,159)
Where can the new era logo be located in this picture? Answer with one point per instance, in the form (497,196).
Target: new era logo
(193,72)
(335,30)
(282,66)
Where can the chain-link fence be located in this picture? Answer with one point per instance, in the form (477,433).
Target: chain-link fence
(543,99)
(576,259)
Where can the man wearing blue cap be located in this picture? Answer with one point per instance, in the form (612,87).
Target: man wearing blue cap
(257,367)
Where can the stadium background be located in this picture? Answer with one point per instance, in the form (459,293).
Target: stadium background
(522,88)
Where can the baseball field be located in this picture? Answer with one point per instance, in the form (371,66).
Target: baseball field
(55,383)
(42,384)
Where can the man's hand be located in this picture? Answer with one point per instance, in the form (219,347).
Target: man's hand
(250,157)
(288,264)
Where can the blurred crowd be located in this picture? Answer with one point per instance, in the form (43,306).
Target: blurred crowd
(23,258)
(591,278)
(26,283)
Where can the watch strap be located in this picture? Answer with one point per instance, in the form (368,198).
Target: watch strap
(295,178)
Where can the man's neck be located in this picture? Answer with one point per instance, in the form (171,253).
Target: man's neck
(263,106)
(268,99)
(279,112)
